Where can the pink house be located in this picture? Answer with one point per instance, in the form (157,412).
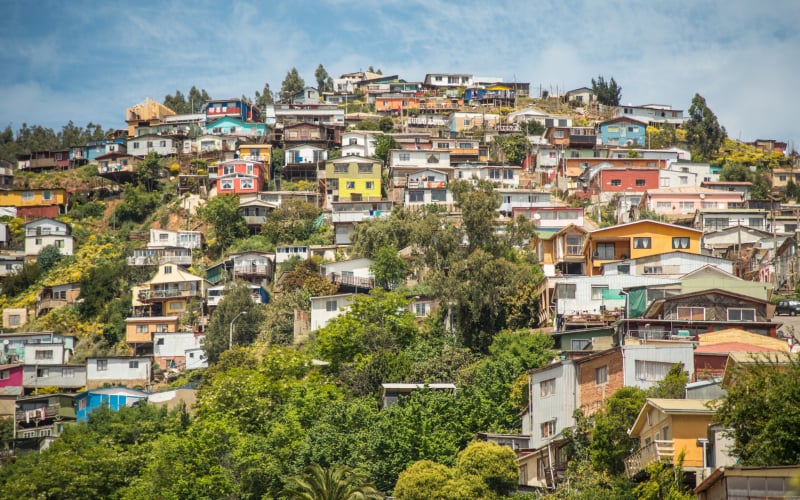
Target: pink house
(687,200)
(240,177)
(11,375)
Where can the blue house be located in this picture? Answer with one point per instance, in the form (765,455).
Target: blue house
(235,108)
(114,397)
(623,131)
(234,126)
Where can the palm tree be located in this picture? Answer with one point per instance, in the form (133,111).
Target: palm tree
(333,483)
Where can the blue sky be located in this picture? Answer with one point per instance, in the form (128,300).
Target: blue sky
(89,60)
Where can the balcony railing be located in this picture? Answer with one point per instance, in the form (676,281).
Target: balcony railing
(654,451)
(37,414)
(352,281)
(167,294)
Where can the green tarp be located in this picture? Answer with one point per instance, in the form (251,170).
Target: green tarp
(637,302)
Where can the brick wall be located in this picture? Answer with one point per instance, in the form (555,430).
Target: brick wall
(591,396)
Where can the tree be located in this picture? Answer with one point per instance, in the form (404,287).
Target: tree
(388,268)
(324,81)
(149,171)
(332,483)
(19,281)
(293,222)
(494,464)
(514,148)
(672,386)
(478,205)
(608,93)
(221,331)
(703,132)
(222,212)
(736,172)
(264,97)
(758,411)
(48,257)
(610,443)
(380,320)
(532,127)
(384,144)
(386,124)
(423,480)
(291,84)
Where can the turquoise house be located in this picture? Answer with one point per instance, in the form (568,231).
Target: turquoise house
(229,125)
(623,131)
(114,397)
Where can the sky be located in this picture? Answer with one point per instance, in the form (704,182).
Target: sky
(87,61)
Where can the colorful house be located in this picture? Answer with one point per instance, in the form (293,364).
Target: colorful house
(256,152)
(169,292)
(236,108)
(638,239)
(139,331)
(668,429)
(147,113)
(240,177)
(683,201)
(35,202)
(44,232)
(229,125)
(353,178)
(623,131)
(115,398)
(118,370)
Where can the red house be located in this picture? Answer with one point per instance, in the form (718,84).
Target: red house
(240,177)
(11,375)
(604,180)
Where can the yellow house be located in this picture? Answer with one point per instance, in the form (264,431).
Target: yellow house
(33,197)
(139,331)
(667,428)
(639,239)
(257,152)
(353,178)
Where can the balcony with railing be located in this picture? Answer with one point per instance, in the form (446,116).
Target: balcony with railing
(38,414)
(169,293)
(348,282)
(655,451)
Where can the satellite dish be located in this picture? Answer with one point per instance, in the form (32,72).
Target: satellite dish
(702,196)
(536,216)
(5,342)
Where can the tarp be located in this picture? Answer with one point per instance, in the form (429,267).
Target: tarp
(612,294)
(637,302)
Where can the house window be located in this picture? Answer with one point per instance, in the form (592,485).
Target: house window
(370,184)
(133,364)
(142,329)
(149,144)
(167,269)
(246,183)
(653,270)
(37,241)
(574,245)
(176,306)
(27,196)
(439,195)
(739,314)
(162,328)
(616,182)
(43,372)
(565,290)
(365,169)
(644,242)
(433,159)
(163,144)
(47,195)
(160,341)
(40,355)
(508,174)
(640,182)
(68,371)
(579,344)
(597,291)
(226,185)
(331,306)
(624,269)
(547,387)
(102,365)
(548,428)
(604,251)
(687,205)
(340,168)
(651,371)
(601,375)
(421,310)
(663,182)
(135,145)
(691,313)
(350,184)
(683,180)
(353,141)
(405,156)
(416,196)
(681,243)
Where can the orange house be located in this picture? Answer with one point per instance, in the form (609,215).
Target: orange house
(638,239)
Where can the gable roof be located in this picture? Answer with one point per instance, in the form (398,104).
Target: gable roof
(657,305)
(669,407)
(638,222)
(176,274)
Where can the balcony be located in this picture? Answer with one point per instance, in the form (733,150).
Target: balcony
(426,184)
(655,451)
(167,294)
(38,414)
(251,270)
(349,282)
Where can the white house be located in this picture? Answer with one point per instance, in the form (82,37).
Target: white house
(169,238)
(346,214)
(118,370)
(10,264)
(427,186)
(195,358)
(284,253)
(63,376)
(327,307)
(502,175)
(47,354)
(169,348)
(305,154)
(43,232)
(359,143)
(551,402)
(419,158)
(671,264)
(535,115)
(582,295)
(358,268)
(143,145)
